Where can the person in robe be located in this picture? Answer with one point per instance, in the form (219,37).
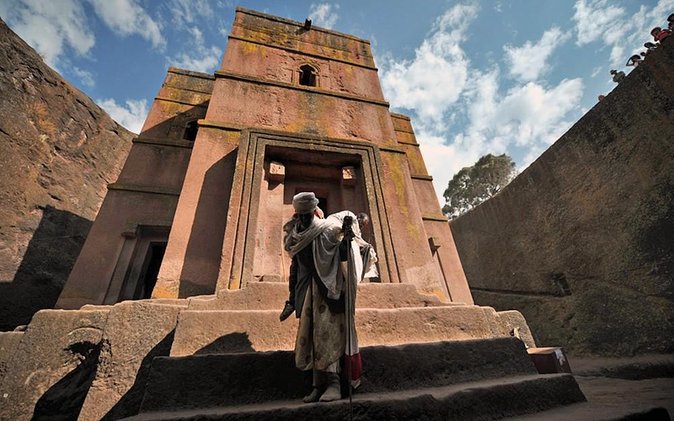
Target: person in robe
(329,259)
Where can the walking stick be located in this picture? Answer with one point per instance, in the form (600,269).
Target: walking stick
(348,236)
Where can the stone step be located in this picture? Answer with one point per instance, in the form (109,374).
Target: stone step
(487,399)
(203,381)
(272,296)
(220,331)
(9,343)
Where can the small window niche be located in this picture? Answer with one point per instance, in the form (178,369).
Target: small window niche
(307,75)
(191,129)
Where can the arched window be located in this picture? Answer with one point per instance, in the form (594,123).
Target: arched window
(307,75)
(191,129)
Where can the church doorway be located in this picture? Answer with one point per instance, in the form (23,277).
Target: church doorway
(335,178)
(144,263)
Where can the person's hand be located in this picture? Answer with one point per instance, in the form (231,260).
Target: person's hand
(347,228)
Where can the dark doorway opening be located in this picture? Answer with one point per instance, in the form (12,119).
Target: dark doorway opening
(140,261)
(148,279)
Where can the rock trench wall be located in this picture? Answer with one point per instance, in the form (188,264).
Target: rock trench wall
(58,152)
(582,241)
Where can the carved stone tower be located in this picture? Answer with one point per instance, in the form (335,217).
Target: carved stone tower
(208,184)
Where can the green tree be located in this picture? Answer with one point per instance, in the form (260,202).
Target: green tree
(473,185)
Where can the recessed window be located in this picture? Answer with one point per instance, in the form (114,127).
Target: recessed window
(307,75)
(191,129)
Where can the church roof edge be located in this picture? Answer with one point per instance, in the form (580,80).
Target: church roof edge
(240,9)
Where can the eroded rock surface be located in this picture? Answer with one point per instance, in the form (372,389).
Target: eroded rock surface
(58,152)
(581,241)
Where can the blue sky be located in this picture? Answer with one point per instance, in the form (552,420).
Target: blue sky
(476,77)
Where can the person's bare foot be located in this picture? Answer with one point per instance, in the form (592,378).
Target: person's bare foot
(333,392)
(313,396)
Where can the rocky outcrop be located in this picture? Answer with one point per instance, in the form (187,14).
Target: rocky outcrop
(58,151)
(582,242)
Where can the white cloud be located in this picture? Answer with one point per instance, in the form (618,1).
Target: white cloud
(131,115)
(50,26)
(597,20)
(431,82)
(127,17)
(324,14)
(529,62)
(86,77)
(199,57)
(187,12)
(204,59)
(527,116)
(436,88)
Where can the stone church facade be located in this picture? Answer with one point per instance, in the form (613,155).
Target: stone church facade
(173,304)
(207,186)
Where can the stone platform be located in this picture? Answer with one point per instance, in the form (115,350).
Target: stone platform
(487,378)
(95,362)
(247,320)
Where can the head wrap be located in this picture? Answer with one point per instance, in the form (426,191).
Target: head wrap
(305,202)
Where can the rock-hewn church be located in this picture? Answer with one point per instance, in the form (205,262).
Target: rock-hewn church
(177,290)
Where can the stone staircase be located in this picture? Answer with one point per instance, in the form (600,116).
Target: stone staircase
(228,357)
(474,379)
(246,320)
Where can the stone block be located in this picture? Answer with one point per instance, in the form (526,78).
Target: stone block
(550,360)
(349,176)
(513,322)
(277,172)
(9,342)
(53,365)
(201,381)
(482,400)
(272,296)
(217,331)
(136,332)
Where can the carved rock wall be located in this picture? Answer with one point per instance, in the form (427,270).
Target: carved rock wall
(58,152)
(582,242)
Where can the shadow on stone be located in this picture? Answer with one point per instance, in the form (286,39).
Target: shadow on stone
(234,342)
(44,269)
(129,404)
(64,400)
(202,257)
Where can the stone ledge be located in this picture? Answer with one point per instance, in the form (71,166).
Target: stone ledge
(437,218)
(245,78)
(177,101)
(494,399)
(298,24)
(266,376)
(304,53)
(218,331)
(178,143)
(191,73)
(144,189)
(272,295)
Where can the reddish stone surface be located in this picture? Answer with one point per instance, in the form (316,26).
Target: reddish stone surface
(142,202)
(222,204)
(581,241)
(58,151)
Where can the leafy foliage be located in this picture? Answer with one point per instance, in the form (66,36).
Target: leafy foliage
(473,185)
